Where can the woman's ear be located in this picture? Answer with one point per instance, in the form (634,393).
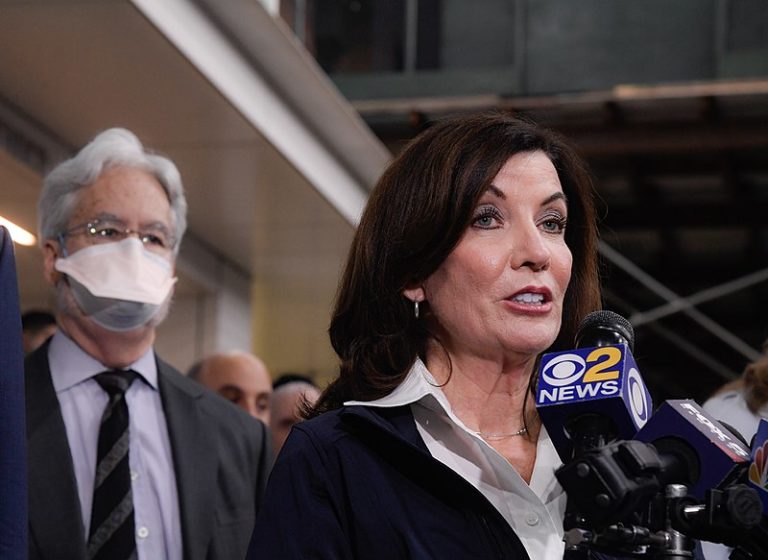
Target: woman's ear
(415,293)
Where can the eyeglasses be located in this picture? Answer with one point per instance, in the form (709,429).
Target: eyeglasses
(154,238)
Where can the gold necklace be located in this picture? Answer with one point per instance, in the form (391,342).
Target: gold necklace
(521,432)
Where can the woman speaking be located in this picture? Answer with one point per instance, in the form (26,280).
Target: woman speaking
(477,252)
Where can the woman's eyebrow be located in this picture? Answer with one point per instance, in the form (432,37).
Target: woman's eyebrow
(497,191)
(559,195)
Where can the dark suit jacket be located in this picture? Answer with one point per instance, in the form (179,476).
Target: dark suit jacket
(221,456)
(13,449)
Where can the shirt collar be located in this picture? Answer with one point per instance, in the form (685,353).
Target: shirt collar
(70,364)
(419,386)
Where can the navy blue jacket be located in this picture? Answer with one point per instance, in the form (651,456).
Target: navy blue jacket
(360,483)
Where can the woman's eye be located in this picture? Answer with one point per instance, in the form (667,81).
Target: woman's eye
(487,218)
(554,224)
(485,221)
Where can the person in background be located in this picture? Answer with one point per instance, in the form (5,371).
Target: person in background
(239,377)
(743,402)
(290,377)
(740,403)
(476,252)
(37,327)
(291,394)
(127,457)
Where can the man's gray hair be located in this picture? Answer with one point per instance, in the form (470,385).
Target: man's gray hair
(113,147)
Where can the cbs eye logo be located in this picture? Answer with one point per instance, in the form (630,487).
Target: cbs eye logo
(567,369)
(638,398)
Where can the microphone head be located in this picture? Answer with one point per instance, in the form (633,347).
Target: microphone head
(593,394)
(605,328)
(680,425)
(758,469)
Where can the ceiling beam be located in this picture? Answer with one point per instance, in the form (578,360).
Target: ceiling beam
(220,58)
(668,139)
(28,141)
(589,99)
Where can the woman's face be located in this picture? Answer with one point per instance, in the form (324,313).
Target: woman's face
(501,290)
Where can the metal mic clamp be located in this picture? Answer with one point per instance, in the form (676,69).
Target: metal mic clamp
(678,546)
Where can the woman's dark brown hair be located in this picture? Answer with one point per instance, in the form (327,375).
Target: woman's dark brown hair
(414,218)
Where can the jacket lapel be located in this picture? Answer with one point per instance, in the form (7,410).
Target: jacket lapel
(398,441)
(55,518)
(194,462)
(397,422)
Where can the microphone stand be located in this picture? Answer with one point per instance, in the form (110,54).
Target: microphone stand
(679,546)
(588,432)
(614,499)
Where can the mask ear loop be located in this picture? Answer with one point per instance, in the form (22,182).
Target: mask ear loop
(63,245)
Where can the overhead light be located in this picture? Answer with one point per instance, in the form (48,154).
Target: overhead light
(18,234)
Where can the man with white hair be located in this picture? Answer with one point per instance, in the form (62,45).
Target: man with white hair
(128,458)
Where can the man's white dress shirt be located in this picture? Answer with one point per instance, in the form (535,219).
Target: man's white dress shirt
(153,480)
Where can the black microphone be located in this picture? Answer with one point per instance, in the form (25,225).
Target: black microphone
(721,504)
(679,445)
(705,453)
(594,394)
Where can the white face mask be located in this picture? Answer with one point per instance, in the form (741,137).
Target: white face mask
(119,285)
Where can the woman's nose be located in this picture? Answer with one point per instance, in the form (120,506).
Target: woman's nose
(530,250)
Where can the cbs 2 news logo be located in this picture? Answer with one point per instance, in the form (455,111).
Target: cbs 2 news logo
(569,377)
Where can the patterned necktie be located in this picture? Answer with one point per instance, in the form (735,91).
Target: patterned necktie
(111,534)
